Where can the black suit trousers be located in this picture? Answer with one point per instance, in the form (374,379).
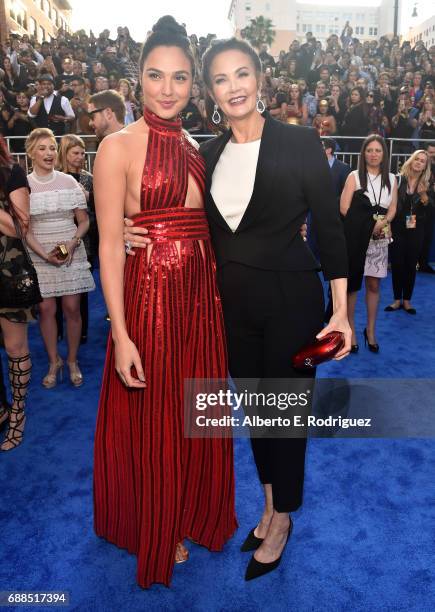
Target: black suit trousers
(428,223)
(269,315)
(404,252)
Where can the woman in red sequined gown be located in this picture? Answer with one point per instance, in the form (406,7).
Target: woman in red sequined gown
(152,486)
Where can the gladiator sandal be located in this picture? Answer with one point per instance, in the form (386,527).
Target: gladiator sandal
(19,376)
(4,415)
(4,404)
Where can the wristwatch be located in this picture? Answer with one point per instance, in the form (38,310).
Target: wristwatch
(78,240)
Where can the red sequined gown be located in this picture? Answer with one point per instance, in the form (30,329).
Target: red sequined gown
(152,486)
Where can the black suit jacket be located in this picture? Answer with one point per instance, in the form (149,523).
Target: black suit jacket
(292,177)
(339,172)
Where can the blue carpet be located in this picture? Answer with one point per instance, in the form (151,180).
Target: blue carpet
(364,539)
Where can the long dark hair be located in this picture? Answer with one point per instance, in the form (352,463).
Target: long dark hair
(6,162)
(216,48)
(362,165)
(167,33)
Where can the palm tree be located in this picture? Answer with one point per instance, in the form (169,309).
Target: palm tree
(259,32)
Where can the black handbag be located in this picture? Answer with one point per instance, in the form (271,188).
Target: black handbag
(19,287)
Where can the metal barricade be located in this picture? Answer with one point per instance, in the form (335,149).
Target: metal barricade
(399,149)
(89,140)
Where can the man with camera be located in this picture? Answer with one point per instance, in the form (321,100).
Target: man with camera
(63,81)
(22,56)
(50,109)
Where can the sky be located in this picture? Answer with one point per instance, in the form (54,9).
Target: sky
(200,16)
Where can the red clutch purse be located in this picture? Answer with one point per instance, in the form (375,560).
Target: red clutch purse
(321,350)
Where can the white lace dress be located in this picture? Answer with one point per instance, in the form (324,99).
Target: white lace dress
(52,205)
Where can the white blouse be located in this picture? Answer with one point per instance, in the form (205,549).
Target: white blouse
(374,192)
(233,180)
(58,192)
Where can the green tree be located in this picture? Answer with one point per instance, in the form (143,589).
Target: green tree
(259,32)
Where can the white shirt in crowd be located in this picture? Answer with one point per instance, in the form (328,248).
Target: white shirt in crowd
(64,102)
(374,192)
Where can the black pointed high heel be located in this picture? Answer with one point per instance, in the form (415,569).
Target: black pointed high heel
(354,348)
(251,542)
(374,348)
(256,569)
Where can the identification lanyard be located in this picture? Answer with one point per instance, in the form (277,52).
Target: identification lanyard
(378,215)
(411,219)
(377,200)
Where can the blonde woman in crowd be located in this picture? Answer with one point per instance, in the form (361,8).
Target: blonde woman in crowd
(14,316)
(71,160)
(413,200)
(59,221)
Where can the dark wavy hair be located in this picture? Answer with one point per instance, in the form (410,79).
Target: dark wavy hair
(218,47)
(362,165)
(362,96)
(6,162)
(167,33)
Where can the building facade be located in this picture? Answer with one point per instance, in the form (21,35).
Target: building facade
(39,18)
(425,32)
(323,21)
(293,19)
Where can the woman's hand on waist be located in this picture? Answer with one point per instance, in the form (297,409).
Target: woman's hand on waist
(134,237)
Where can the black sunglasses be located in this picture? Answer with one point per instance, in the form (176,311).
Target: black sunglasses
(97,110)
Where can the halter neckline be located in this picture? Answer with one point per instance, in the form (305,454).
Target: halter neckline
(162,125)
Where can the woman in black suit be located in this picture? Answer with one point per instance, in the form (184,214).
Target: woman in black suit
(262,178)
(260,185)
(413,203)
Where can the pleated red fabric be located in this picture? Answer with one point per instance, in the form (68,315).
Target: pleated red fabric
(152,486)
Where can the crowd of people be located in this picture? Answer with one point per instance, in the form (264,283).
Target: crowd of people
(354,88)
(344,87)
(78,85)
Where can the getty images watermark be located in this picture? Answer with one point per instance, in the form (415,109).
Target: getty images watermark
(250,400)
(298,408)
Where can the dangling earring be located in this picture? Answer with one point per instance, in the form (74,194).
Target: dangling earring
(216,117)
(260,106)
